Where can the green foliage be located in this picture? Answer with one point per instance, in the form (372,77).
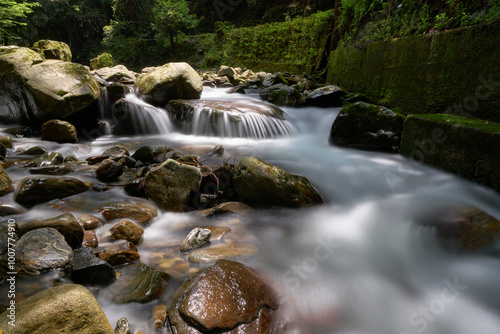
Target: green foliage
(299,42)
(369,20)
(170,17)
(11,15)
(103,60)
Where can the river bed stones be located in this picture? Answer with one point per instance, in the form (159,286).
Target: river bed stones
(109,170)
(257,183)
(43,189)
(66,224)
(67,308)
(328,96)
(42,250)
(223,298)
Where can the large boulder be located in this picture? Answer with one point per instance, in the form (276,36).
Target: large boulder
(257,183)
(43,189)
(32,87)
(169,82)
(367,126)
(227,297)
(53,49)
(103,60)
(171,183)
(67,308)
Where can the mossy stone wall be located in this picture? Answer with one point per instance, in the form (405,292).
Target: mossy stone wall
(455,71)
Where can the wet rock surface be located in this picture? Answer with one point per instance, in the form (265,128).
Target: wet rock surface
(141,212)
(90,270)
(197,238)
(67,308)
(42,250)
(223,298)
(259,184)
(59,131)
(170,185)
(126,230)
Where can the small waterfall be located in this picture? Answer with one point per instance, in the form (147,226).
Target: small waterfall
(141,117)
(250,119)
(105,114)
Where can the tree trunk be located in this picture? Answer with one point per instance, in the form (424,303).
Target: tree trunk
(336,32)
(171,35)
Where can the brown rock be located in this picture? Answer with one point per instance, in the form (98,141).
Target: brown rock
(142,213)
(235,208)
(90,239)
(160,316)
(226,296)
(221,251)
(88,221)
(218,232)
(120,256)
(126,230)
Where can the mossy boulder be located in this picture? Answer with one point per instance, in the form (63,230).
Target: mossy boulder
(66,308)
(53,49)
(59,131)
(367,126)
(169,82)
(282,95)
(37,89)
(257,183)
(464,146)
(103,60)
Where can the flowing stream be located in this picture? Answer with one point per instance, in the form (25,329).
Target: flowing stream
(360,264)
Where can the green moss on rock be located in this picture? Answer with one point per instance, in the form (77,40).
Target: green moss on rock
(102,60)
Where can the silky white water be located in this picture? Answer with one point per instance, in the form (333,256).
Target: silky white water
(359,264)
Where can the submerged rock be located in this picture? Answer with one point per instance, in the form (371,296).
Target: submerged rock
(66,224)
(43,189)
(42,250)
(197,238)
(257,183)
(67,308)
(141,212)
(59,131)
(89,269)
(120,256)
(53,49)
(367,126)
(170,185)
(169,82)
(49,159)
(247,119)
(226,297)
(138,283)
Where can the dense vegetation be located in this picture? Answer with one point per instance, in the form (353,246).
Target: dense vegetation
(207,33)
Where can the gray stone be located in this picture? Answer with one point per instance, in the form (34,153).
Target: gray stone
(198,237)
